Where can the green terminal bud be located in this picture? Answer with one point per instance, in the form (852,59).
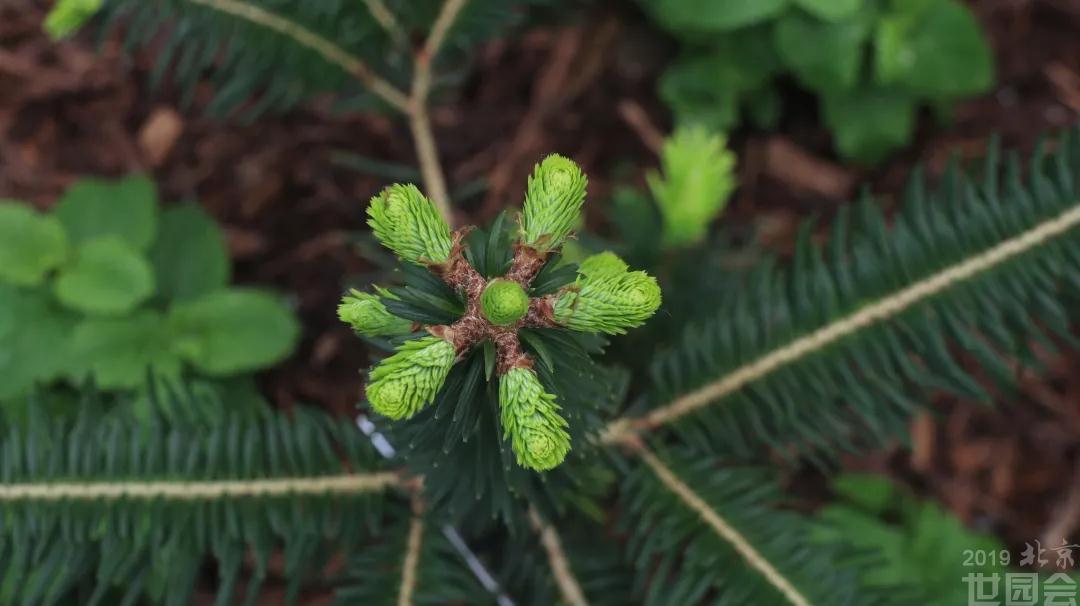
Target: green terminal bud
(556,191)
(404,383)
(368,316)
(530,417)
(607,298)
(698,179)
(67,16)
(504,302)
(409,224)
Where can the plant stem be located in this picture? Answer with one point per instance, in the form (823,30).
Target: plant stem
(412,553)
(388,21)
(210,490)
(305,37)
(726,531)
(419,121)
(560,564)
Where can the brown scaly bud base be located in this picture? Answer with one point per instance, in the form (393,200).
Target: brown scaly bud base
(473,328)
(527,263)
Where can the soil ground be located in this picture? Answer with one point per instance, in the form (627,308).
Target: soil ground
(293,209)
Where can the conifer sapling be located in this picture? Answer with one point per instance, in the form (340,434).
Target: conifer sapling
(606,297)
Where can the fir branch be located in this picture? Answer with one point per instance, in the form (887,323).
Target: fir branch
(309,39)
(888,307)
(412,553)
(419,121)
(388,21)
(568,584)
(181,490)
(714,520)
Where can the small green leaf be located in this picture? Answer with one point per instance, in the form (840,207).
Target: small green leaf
(712,16)
(35,336)
(830,10)
(707,87)
(824,56)
(190,256)
(108,276)
(233,331)
(67,16)
(869,124)
(126,208)
(118,352)
(932,48)
(31,244)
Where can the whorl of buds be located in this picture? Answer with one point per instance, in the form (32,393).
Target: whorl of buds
(367,315)
(607,297)
(409,224)
(404,383)
(530,417)
(504,302)
(553,200)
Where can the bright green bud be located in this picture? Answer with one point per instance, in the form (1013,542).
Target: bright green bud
(530,417)
(504,302)
(553,202)
(607,298)
(67,16)
(605,262)
(368,316)
(409,224)
(403,384)
(699,176)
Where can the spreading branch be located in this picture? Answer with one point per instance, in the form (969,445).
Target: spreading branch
(627,429)
(567,583)
(714,520)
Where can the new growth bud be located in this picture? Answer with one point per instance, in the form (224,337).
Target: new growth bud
(504,302)
(553,200)
(409,224)
(367,315)
(404,383)
(607,298)
(530,417)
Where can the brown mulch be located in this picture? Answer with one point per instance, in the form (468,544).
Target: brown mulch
(291,211)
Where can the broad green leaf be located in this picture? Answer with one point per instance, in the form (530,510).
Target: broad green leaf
(713,15)
(830,10)
(126,208)
(824,56)
(935,49)
(706,88)
(35,339)
(190,257)
(233,331)
(119,352)
(869,124)
(107,277)
(31,244)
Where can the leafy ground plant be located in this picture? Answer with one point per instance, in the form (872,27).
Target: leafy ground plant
(107,287)
(871,63)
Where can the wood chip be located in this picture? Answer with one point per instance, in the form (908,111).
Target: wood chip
(789,163)
(159,134)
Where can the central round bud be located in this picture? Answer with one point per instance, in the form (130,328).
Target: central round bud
(504,302)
